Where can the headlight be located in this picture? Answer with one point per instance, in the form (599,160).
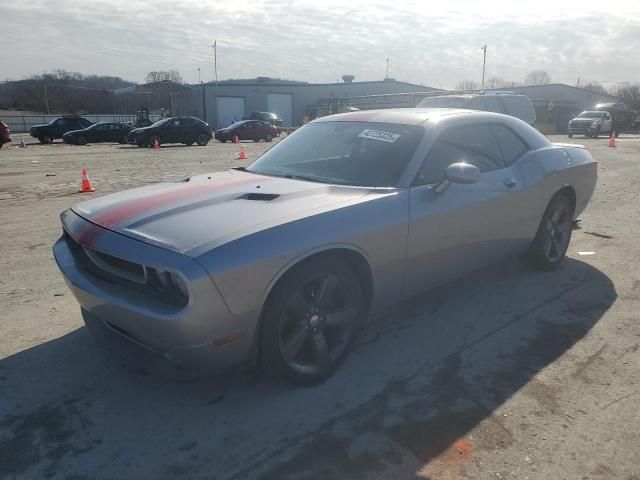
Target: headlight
(594,124)
(171,281)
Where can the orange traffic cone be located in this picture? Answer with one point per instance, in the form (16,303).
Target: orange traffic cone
(86,183)
(156,145)
(242,155)
(236,139)
(612,140)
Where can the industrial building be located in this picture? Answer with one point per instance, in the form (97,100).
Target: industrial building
(228,101)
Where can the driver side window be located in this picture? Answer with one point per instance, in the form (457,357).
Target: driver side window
(474,144)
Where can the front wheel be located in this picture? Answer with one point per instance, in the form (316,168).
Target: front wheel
(268,137)
(550,244)
(45,139)
(202,140)
(310,321)
(570,135)
(81,140)
(153,140)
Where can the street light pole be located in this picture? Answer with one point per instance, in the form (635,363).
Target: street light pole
(215,72)
(484,62)
(199,81)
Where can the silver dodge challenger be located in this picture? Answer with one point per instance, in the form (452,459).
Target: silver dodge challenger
(279,263)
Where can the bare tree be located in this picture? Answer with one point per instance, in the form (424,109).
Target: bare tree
(163,75)
(595,87)
(630,94)
(467,85)
(537,77)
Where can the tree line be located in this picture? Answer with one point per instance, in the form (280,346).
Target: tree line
(629,93)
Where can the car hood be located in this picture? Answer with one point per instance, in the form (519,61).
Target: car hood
(42,125)
(206,211)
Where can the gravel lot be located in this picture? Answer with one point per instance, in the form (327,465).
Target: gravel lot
(506,374)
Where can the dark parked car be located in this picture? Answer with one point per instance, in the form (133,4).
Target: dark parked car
(99,132)
(5,133)
(58,127)
(255,130)
(267,117)
(187,130)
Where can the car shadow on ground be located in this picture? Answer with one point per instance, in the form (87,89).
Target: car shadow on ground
(419,380)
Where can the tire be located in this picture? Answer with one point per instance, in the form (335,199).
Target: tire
(1,144)
(552,239)
(45,139)
(188,144)
(152,140)
(81,140)
(310,320)
(617,134)
(268,137)
(202,140)
(570,135)
(122,141)
(596,134)
(222,141)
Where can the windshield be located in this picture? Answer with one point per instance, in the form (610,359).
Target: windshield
(590,115)
(346,153)
(439,102)
(236,124)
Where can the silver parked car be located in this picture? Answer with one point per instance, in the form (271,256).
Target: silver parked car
(280,262)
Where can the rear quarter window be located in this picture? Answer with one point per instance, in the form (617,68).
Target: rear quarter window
(510,143)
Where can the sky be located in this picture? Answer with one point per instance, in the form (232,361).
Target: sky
(435,44)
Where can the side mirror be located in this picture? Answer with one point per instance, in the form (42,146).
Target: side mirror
(459,172)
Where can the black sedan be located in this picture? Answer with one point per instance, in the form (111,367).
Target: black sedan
(187,130)
(99,132)
(255,130)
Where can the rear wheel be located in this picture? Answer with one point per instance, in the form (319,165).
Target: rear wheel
(45,139)
(202,140)
(81,140)
(268,137)
(550,244)
(596,134)
(310,321)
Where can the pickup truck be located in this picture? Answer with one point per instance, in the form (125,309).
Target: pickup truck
(591,123)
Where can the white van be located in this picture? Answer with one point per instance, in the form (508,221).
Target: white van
(517,106)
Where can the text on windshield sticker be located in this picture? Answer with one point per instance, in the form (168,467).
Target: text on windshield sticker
(379,135)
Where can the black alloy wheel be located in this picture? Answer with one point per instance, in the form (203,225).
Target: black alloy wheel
(311,320)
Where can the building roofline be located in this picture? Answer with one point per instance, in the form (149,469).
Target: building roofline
(276,84)
(554,85)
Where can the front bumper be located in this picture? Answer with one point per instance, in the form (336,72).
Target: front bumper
(200,333)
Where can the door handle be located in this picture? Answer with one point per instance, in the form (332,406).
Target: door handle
(510,182)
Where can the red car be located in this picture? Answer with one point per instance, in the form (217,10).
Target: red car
(255,130)
(5,133)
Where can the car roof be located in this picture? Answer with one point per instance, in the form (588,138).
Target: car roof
(407,116)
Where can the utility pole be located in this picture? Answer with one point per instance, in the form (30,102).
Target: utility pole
(484,62)
(215,72)
(387,75)
(199,81)
(46,99)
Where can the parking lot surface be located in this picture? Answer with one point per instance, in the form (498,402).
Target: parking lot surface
(506,374)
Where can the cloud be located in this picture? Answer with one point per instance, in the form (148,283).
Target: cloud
(435,46)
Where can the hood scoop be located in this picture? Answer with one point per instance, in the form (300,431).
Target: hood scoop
(262,197)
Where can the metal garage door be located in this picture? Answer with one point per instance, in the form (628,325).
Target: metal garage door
(282,105)
(230,109)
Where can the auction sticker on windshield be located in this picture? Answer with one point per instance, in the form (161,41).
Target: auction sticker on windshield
(381,135)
